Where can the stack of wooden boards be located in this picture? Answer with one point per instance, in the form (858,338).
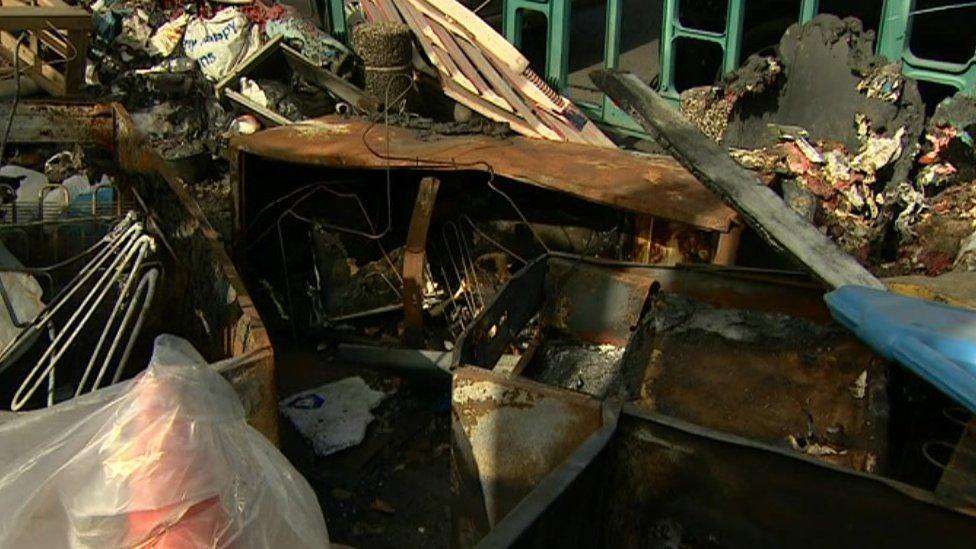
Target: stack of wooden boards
(484,72)
(53,52)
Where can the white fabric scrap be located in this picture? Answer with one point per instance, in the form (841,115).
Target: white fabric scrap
(221,43)
(334,416)
(168,36)
(877,152)
(135,30)
(251,90)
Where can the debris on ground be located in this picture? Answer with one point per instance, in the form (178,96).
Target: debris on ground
(820,146)
(842,135)
(334,416)
(578,366)
(767,376)
(759,206)
(140,456)
(378,492)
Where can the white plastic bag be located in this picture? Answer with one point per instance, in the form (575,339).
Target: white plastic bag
(163,460)
(168,36)
(24,294)
(220,43)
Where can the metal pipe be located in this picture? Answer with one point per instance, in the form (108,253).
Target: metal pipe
(17,346)
(148,282)
(137,264)
(53,351)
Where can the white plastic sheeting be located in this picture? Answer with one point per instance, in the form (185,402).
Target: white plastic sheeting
(164,460)
(334,416)
(220,44)
(24,294)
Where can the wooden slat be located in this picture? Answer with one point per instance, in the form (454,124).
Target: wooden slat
(27,17)
(477,29)
(57,42)
(504,68)
(414,260)
(268,117)
(370,11)
(389,10)
(62,28)
(475,103)
(761,208)
(452,53)
(46,76)
(498,83)
(461,60)
(437,53)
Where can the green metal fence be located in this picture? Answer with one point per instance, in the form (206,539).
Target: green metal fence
(894,34)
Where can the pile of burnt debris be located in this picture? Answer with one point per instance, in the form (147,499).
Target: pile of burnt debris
(830,126)
(495,320)
(849,144)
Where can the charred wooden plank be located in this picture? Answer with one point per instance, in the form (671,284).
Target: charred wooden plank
(761,208)
(415,259)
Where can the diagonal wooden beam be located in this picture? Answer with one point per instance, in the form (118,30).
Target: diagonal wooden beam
(414,261)
(761,208)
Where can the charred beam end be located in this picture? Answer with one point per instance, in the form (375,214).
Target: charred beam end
(414,259)
(761,208)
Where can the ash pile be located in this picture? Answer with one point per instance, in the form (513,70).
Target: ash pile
(847,141)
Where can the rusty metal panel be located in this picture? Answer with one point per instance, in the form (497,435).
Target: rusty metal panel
(734,287)
(646,184)
(663,482)
(486,339)
(517,431)
(600,301)
(53,122)
(599,304)
(215,293)
(678,484)
(772,379)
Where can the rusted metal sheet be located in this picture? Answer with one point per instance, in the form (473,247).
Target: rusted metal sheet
(671,479)
(958,482)
(737,288)
(414,259)
(517,431)
(664,482)
(600,301)
(795,387)
(598,304)
(696,479)
(53,122)
(215,293)
(491,333)
(650,185)
(819,392)
(568,490)
(594,303)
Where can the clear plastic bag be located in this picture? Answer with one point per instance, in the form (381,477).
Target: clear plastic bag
(165,460)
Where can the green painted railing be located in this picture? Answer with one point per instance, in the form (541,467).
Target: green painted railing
(894,32)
